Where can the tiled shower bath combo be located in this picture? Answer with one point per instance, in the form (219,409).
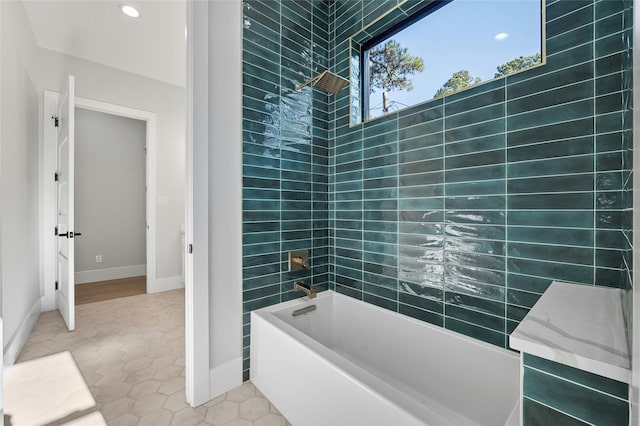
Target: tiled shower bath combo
(459,211)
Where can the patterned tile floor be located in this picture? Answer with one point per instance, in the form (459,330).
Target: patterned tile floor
(130,352)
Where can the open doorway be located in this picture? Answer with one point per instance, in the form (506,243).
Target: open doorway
(110,206)
(146,123)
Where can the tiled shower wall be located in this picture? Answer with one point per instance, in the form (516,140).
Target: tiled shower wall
(459,211)
(285,151)
(462,210)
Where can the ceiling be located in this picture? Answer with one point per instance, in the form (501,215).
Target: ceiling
(153,45)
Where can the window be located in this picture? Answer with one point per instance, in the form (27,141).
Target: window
(442,47)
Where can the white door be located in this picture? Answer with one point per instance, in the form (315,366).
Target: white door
(65,296)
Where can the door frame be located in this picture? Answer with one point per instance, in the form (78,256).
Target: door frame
(49,195)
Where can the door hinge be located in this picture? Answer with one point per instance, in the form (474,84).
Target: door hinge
(56,231)
(56,285)
(55,177)
(56,121)
(190,248)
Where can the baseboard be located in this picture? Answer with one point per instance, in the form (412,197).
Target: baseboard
(225,377)
(14,346)
(165,284)
(83,277)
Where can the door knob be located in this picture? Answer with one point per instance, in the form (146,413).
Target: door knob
(70,234)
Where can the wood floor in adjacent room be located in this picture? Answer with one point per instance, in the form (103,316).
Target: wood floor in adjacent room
(113,289)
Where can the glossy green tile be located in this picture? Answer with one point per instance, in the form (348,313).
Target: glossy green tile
(382,177)
(575,255)
(568,39)
(558,9)
(473,217)
(380,150)
(458,273)
(610,239)
(423,191)
(609,83)
(571,93)
(610,277)
(609,161)
(594,381)
(609,103)
(421,166)
(604,8)
(474,331)
(428,153)
(575,400)
(527,283)
(422,315)
(572,129)
(494,308)
(297,11)
(567,58)
(577,17)
(548,235)
(269,9)
(558,271)
(610,64)
(554,114)
(573,183)
(574,73)
(560,201)
(483,143)
(610,44)
(391,305)
(557,166)
(476,173)
(474,116)
(476,202)
(476,159)
(478,231)
(378,290)
(478,292)
(610,141)
(470,316)
(476,130)
(563,148)
(536,414)
(489,98)
(476,188)
(474,260)
(609,258)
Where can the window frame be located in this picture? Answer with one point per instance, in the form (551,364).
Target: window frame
(389,23)
(427,9)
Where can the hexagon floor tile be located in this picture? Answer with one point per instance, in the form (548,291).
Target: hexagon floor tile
(130,352)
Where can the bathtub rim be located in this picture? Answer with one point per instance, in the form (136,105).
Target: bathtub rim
(329,293)
(398,398)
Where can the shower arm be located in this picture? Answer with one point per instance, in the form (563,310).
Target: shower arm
(306,83)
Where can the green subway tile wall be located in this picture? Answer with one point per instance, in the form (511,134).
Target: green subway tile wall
(285,146)
(555,394)
(459,211)
(462,210)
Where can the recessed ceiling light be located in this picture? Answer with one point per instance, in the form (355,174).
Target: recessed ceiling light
(130,11)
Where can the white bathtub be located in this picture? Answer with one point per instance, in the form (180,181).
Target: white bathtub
(352,363)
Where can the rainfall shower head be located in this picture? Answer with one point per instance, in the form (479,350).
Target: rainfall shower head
(326,81)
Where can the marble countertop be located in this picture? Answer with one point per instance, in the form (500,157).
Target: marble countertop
(580,326)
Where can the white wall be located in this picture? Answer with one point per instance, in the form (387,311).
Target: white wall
(109,195)
(98,82)
(19,189)
(214,219)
